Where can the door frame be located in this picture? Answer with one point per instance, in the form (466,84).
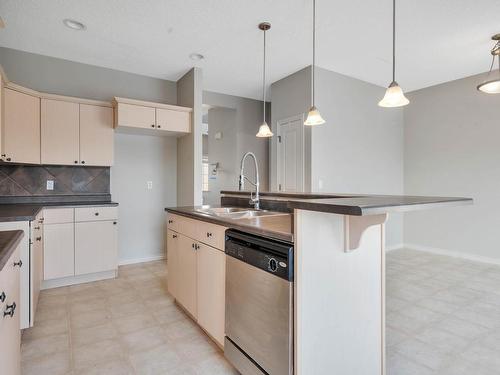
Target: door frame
(300,118)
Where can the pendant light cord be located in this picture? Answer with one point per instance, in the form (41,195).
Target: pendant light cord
(393,40)
(264,78)
(314,52)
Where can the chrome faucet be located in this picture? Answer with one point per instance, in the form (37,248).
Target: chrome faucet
(254,200)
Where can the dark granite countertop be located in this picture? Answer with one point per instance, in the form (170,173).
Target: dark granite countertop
(278,226)
(9,240)
(355,204)
(28,211)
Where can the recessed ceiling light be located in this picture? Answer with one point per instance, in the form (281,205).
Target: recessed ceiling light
(75,25)
(196,56)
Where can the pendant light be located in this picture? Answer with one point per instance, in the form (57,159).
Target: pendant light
(394,96)
(313,117)
(492,84)
(264,130)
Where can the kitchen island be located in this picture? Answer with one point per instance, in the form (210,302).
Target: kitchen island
(339,272)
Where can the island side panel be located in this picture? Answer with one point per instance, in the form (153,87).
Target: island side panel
(339,298)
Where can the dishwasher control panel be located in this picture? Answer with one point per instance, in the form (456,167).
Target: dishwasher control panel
(271,256)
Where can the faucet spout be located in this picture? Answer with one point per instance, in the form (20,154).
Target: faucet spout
(254,200)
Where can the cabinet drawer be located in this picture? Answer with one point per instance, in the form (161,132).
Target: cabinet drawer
(58,215)
(95,213)
(211,234)
(174,222)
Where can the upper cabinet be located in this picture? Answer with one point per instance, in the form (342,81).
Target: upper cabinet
(60,132)
(96,135)
(38,128)
(161,119)
(20,127)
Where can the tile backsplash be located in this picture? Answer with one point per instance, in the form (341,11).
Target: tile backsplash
(26,181)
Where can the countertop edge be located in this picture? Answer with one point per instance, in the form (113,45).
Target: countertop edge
(10,246)
(231,225)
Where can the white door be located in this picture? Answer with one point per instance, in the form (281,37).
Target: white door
(290,153)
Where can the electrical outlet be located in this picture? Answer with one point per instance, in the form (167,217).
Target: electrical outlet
(150,185)
(50,184)
(320,184)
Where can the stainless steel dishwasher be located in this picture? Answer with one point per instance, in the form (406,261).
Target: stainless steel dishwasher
(259,304)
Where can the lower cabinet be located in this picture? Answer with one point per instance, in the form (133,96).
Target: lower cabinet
(80,244)
(36,263)
(211,291)
(58,255)
(10,333)
(96,247)
(196,276)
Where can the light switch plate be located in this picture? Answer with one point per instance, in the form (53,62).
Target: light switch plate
(50,184)
(150,185)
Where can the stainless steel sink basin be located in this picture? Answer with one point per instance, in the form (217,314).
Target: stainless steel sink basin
(236,213)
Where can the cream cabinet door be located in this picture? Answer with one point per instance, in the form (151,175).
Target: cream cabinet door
(136,116)
(21,128)
(10,333)
(36,263)
(172,262)
(186,286)
(59,251)
(60,124)
(96,247)
(211,279)
(174,121)
(96,135)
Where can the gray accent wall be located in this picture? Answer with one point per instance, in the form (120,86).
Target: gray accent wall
(452,135)
(63,77)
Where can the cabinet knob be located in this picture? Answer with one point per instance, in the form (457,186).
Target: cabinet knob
(9,310)
(159,126)
(2,297)
(170,221)
(153,125)
(8,159)
(20,263)
(209,234)
(114,223)
(37,228)
(76,161)
(83,161)
(40,221)
(96,214)
(3,155)
(38,238)
(192,245)
(174,236)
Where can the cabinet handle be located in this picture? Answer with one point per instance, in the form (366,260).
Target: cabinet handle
(192,245)
(8,159)
(174,236)
(2,297)
(114,222)
(76,161)
(96,214)
(19,264)
(37,228)
(9,310)
(170,221)
(38,238)
(209,234)
(40,221)
(3,155)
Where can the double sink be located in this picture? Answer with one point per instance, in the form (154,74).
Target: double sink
(237,213)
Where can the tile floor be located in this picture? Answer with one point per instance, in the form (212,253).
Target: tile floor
(443,317)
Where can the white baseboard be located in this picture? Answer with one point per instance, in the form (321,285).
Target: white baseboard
(394,247)
(452,253)
(124,262)
(78,279)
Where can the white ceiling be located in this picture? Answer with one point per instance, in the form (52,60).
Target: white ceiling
(438,40)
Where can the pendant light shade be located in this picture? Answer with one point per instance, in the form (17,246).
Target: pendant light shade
(264,130)
(313,117)
(394,96)
(492,83)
